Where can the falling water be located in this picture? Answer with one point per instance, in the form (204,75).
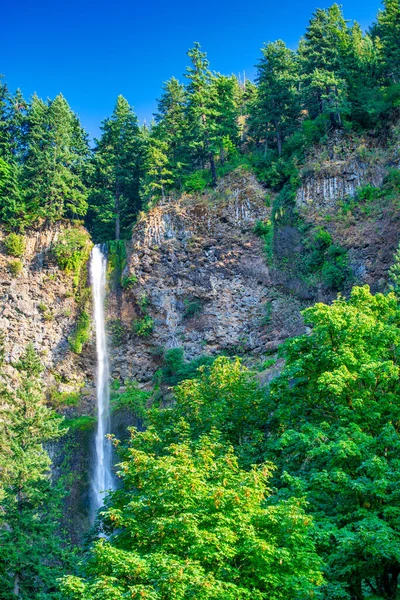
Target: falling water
(102,474)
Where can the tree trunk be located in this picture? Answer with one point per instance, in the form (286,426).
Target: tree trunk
(117,215)
(16,585)
(279,140)
(213,170)
(222,155)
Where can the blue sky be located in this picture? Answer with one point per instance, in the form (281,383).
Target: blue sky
(91,51)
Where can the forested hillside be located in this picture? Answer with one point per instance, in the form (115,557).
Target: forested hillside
(253,320)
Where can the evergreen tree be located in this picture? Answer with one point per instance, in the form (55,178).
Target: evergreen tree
(52,169)
(322,55)
(201,111)
(227,96)
(157,168)
(115,199)
(171,125)
(31,552)
(387,29)
(276,108)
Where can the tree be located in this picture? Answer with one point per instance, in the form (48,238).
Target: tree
(276,108)
(157,167)
(322,55)
(31,552)
(115,198)
(171,125)
(53,162)
(227,94)
(387,29)
(201,111)
(189,523)
(334,429)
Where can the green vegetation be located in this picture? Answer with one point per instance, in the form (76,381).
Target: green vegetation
(81,335)
(32,551)
(192,308)
(144,326)
(15,267)
(72,252)
(15,245)
(174,367)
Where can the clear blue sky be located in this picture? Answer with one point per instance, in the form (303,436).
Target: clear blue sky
(91,51)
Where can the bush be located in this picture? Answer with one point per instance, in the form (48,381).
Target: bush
(116,331)
(197,181)
(144,326)
(15,267)
(368,193)
(81,334)
(15,245)
(176,369)
(192,308)
(72,251)
(62,399)
(128,281)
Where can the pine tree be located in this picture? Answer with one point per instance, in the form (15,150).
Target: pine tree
(276,108)
(157,167)
(52,177)
(31,552)
(227,96)
(322,56)
(201,111)
(387,29)
(115,199)
(171,125)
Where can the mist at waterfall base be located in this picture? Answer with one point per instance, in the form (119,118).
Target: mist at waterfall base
(102,476)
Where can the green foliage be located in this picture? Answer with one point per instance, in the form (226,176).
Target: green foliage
(32,550)
(72,251)
(144,326)
(15,267)
(265,230)
(333,425)
(199,528)
(116,331)
(197,181)
(81,335)
(63,399)
(82,423)
(131,397)
(192,308)
(368,193)
(175,369)
(128,281)
(15,245)
(326,260)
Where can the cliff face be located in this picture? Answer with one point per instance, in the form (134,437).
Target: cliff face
(368,228)
(38,305)
(202,278)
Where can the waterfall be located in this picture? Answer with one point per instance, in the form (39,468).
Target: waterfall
(102,479)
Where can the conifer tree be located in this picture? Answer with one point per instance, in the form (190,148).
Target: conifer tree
(387,29)
(171,125)
(52,177)
(276,108)
(201,111)
(321,54)
(31,551)
(115,199)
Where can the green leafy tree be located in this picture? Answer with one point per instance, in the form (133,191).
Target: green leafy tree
(277,108)
(190,523)
(334,429)
(157,167)
(31,552)
(115,199)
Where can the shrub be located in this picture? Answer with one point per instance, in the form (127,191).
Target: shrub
(82,423)
(62,399)
(81,334)
(144,326)
(128,281)
(192,308)
(15,267)
(15,245)
(368,192)
(197,181)
(116,331)
(72,252)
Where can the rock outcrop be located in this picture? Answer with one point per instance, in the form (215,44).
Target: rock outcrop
(202,275)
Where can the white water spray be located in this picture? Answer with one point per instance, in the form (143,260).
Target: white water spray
(102,474)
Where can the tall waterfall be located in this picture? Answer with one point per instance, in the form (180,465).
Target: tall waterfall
(102,478)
